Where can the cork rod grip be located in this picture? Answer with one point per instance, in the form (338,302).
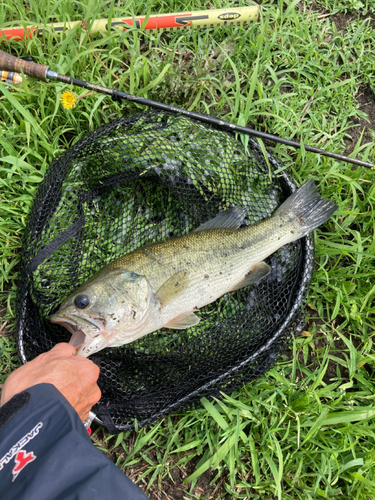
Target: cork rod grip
(11,63)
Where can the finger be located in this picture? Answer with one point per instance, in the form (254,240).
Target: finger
(94,371)
(88,372)
(94,397)
(63,349)
(97,394)
(84,415)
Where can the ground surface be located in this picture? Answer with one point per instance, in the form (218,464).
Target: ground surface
(293,444)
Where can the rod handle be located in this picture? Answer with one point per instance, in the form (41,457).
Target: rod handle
(11,63)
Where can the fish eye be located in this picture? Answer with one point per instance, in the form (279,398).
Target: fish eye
(81,301)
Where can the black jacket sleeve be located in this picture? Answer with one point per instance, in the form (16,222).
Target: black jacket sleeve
(46,453)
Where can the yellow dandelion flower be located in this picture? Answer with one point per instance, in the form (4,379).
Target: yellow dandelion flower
(68,99)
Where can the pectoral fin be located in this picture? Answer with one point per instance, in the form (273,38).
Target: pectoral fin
(183,321)
(257,272)
(175,285)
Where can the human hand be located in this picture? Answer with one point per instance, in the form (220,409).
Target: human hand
(74,376)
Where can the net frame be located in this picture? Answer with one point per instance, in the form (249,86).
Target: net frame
(223,380)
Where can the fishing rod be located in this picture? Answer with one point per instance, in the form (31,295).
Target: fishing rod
(162,22)
(42,72)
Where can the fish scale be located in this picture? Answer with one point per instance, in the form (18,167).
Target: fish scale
(229,252)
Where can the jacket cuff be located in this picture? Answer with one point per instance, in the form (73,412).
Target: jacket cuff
(13,406)
(28,401)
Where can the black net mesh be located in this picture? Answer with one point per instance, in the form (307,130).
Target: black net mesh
(142,179)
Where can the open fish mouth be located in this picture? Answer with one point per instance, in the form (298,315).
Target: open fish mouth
(77,330)
(78,338)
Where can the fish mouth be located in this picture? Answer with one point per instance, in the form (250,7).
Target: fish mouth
(80,338)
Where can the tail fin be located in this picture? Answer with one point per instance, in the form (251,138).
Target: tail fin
(307,207)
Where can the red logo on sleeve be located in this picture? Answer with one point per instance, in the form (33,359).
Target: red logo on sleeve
(22,459)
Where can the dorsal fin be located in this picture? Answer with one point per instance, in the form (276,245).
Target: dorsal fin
(229,219)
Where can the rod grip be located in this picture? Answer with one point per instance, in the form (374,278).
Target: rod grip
(11,63)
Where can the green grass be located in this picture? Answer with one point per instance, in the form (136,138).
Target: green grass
(306,429)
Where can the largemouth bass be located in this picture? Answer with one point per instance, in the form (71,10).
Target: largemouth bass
(164,284)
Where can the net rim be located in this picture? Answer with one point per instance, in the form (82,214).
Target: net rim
(307,252)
